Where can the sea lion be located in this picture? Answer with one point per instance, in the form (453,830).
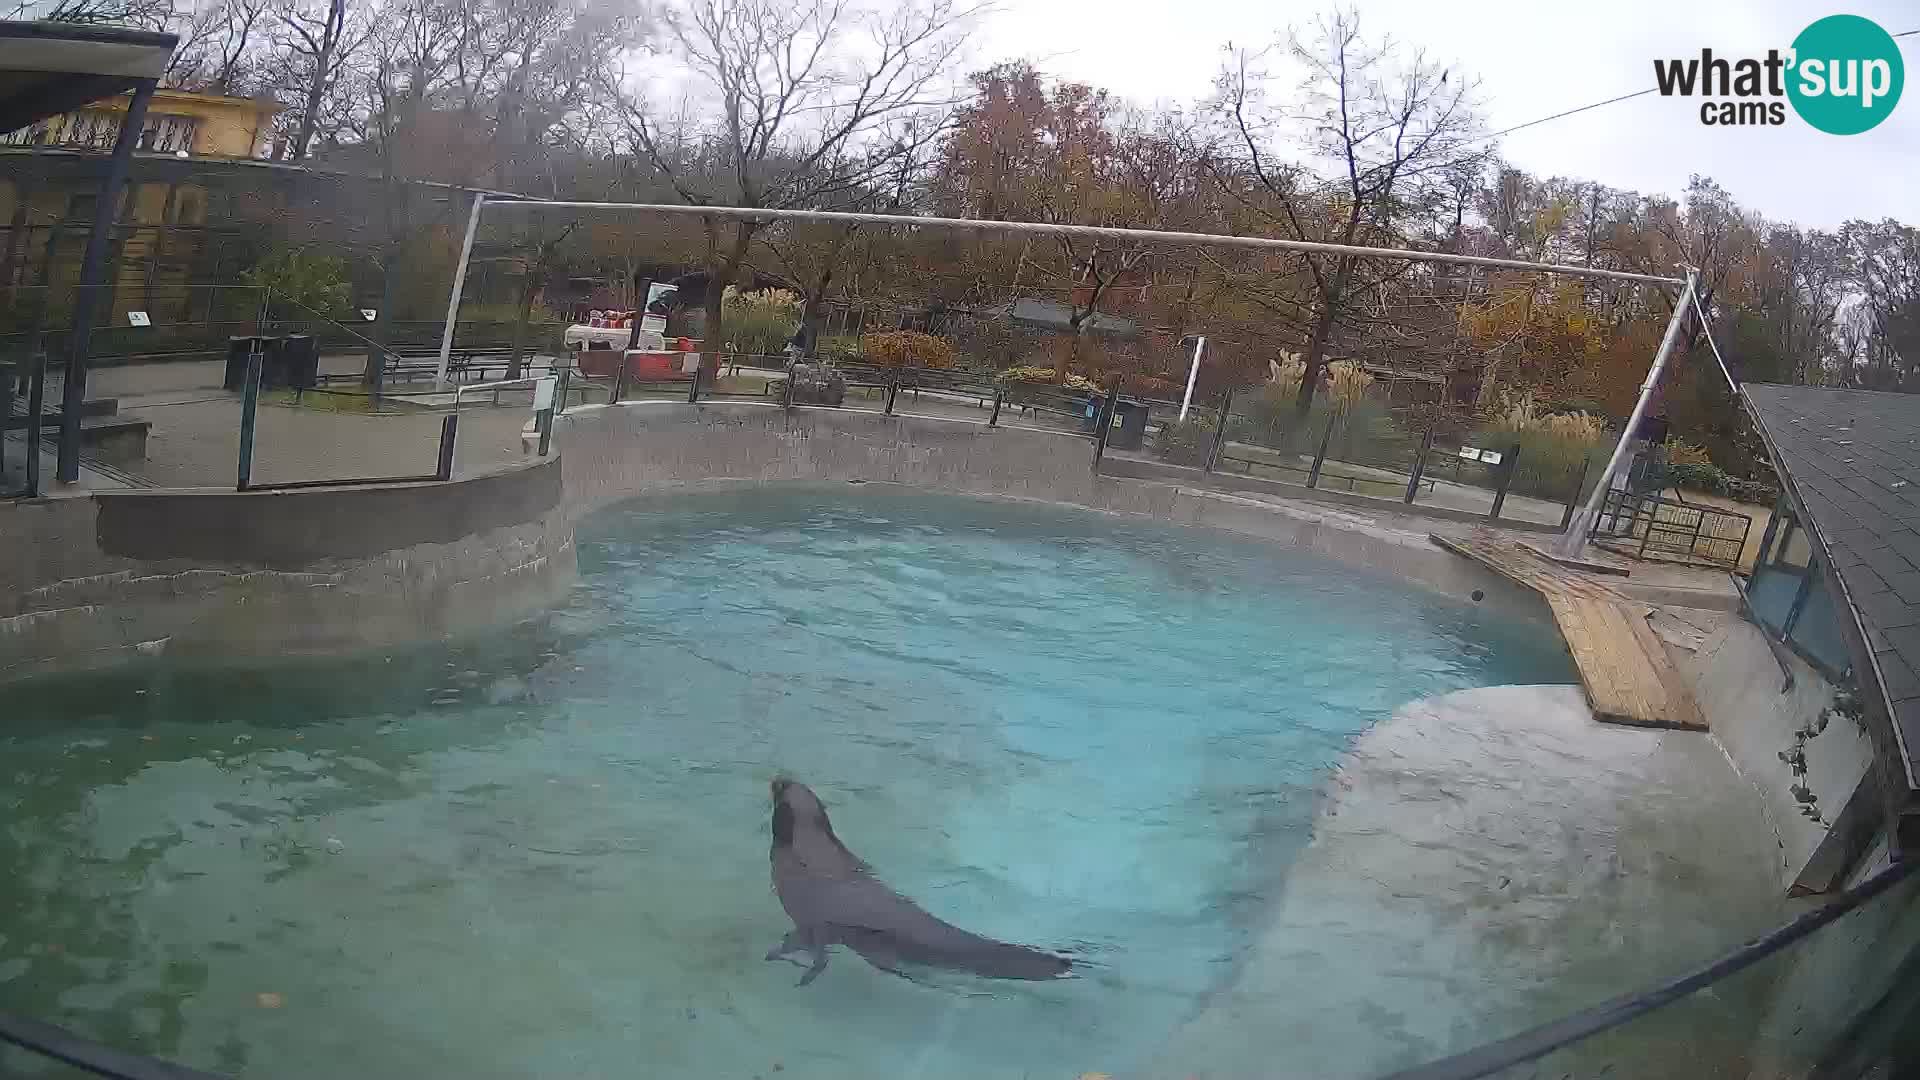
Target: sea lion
(835,899)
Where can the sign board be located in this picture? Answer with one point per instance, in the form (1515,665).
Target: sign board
(1490,457)
(689,363)
(1469,453)
(543,393)
(660,297)
(369,314)
(138,318)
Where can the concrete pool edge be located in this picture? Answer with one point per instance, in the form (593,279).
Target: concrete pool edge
(647,448)
(113,577)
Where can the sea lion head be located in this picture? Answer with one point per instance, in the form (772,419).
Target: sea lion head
(795,805)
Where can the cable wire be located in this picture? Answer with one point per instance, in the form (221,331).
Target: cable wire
(1545,1039)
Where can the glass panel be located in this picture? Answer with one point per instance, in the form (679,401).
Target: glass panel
(1817,631)
(1792,549)
(1771,595)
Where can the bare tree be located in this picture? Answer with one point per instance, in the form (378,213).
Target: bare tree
(219,47)
(143,14)
(1383,132)
(314,43)
(814,100)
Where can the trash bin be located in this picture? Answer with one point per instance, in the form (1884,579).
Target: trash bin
(1130,426)
(238,349)
(300,360)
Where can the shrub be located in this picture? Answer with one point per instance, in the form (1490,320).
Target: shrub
(1697,476)
(1186,442)
(907,348)
(1027,373)
(1346,383)
(303,283)
(839,348)
(759,323)
(1682,452)
(1553,446)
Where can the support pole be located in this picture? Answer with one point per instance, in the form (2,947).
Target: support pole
(453,298)
(1507,466)
(1193,373)
(1320,456)
(1574,540)
(999,395)
(93,275)
(449,432)
(1419,467)
(1219,432)
(249,408)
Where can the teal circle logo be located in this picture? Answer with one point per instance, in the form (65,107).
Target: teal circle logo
(1846,76)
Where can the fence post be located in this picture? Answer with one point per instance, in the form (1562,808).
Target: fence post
(449,429)
(1320,456)
(699,370)
(893,389)
(999,395)
(561,388)
(1579,486)
(1506,480)
(1103,416)
(249,406)
(619,380)
(1219,432)
(1419,466)
(36,400)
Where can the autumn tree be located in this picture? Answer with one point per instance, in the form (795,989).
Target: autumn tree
(1370,136)
(805,102)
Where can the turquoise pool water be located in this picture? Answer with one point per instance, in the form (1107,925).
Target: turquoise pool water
(545,853)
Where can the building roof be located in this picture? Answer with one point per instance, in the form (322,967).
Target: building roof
(51,68)
(1850,463)
(1047,315)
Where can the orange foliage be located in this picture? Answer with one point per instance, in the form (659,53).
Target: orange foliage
(907,348)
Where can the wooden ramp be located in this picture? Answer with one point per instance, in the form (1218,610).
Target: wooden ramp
(1626,671)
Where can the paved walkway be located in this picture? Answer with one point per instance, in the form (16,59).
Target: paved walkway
(195,439)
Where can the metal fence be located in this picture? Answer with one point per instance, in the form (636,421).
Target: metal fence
(1656,527)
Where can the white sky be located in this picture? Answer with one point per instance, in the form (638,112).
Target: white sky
(1534,58)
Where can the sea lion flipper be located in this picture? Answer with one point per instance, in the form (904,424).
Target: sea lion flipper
(819,963)
(792,943)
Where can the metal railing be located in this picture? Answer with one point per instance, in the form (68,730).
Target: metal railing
(1656,527)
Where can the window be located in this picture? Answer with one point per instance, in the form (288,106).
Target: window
(1789,597)
(168,134)
(91,129)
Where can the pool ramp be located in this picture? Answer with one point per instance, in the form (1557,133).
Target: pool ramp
(1624,668)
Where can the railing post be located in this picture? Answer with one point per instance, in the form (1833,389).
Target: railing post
(619,380)
(36,401)
(249,406)
(893,389)
(1103,417)
(449,430)
(1219,432)
(699,371)
(1419,466)
(999,395)
(546,430)
(561,388)
(1320,455)
(1506,480)
(1579,485)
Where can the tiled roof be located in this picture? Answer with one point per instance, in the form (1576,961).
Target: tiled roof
(1851,463)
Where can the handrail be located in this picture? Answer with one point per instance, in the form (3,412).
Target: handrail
(502,384)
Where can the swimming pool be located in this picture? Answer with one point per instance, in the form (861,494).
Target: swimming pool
(545,852)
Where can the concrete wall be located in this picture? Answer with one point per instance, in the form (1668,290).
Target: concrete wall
(621,451)
(102,579)
(1739,685)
